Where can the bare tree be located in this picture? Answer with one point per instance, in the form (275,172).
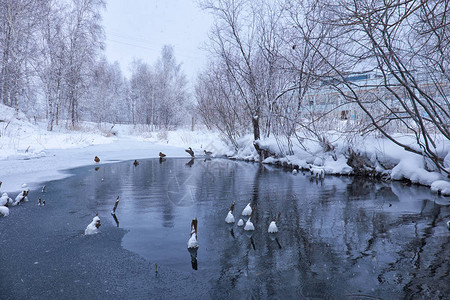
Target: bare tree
(18,22)
(234,41)
(405,43)
(218,103)
(84,42)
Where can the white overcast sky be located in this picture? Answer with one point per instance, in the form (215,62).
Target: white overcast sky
(140,28)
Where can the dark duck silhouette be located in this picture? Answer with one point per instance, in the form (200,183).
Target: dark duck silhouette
(136,163)
(161,155)
(190,151)
(96,159)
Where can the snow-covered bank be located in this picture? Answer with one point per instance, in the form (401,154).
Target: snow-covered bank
(374,155)
(31,154)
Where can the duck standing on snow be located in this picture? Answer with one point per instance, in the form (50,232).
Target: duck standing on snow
(249,224)
(207,153)
(193,243)
(161,155)
(135,163)
(92,228)
(190,151)
(96,159)
(247,210)
(273,225)
(230,218)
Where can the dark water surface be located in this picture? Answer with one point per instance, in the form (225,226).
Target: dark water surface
(340,238)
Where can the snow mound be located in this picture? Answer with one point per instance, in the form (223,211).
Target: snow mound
(442,187)
(272,227)
(412,167)
(249,225)
(193,243)
(4,211)
(247,210)
(230,218)
(92,228)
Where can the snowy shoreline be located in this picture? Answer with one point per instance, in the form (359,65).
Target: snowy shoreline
(30,154)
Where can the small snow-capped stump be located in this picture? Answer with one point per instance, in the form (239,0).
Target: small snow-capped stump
(43,189)
(240,222)
(249,224)
(21,197)
(115,206)
(230,218)
(273,225)
(317,172)
(97,159)
(4,211)
(43,202)
(247,210)
(92,228)
(207,153)
(135,163)
(294,172)
(7,199)
(190,151)
(448,225)
(193,243)
(161,155)
(39,201)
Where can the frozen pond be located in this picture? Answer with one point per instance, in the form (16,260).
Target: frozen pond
(339,238)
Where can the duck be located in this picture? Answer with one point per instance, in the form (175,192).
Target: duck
(92,228)
(273,225)
(96,159)
(230,218)
(192,242)
(190,151)
(208,153)
(247,210)
(135,163)
(249,224)
(161,155)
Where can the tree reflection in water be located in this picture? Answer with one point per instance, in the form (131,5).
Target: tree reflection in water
(340,237)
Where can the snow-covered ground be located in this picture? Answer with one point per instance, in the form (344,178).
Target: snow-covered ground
(31,154)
